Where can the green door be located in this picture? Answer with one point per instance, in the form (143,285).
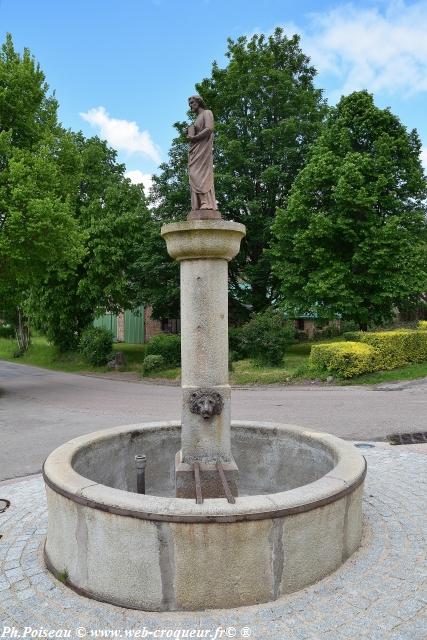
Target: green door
(134,326)
(107,321)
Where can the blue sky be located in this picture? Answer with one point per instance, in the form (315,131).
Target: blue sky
(123,69)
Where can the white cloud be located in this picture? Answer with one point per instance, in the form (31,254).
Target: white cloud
(369,48)
(122,135)
(137,177)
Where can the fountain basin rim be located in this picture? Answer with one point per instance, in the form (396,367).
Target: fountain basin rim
(348,473)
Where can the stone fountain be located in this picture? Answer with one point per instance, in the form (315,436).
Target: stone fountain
(234,513)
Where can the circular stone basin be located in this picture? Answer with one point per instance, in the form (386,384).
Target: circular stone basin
(297,518)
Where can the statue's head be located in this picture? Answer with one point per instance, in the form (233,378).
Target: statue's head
(196,102)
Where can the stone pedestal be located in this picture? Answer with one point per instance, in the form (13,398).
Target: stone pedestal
(203,248)
(211,484)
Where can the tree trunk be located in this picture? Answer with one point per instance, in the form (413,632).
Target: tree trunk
(22,333)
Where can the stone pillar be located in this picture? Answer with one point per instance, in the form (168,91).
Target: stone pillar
(203,248)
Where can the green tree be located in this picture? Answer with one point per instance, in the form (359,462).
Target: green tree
(38,232)
(71,224)
(160,285)
(350,240)
(267,113)
(112,216)
(266,336)
(26,109)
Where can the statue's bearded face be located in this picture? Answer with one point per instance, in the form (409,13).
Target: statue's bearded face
(194,104)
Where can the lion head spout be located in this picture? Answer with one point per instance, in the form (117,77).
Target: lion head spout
(206,403)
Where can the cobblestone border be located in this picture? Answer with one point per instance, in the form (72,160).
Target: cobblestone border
(380,593)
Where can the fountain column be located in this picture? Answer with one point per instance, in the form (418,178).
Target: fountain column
(204,247)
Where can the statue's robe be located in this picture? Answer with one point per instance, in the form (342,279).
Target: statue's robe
(200,164)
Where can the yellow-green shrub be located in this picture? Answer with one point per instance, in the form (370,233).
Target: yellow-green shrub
(389,348)
(396,348)
(346,359)
(416,346)
(422,324)
(370,351)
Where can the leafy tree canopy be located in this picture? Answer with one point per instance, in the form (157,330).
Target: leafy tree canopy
(112,216)
(71,224)
(350,240)
(37,228)
(267,112)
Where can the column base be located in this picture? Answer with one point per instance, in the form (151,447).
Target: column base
(210,479)
(204,214)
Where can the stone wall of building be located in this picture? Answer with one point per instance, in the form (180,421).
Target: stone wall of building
(152,327)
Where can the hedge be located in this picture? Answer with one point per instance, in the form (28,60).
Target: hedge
(396,348)
(346,359)
(377,351)
(422,324)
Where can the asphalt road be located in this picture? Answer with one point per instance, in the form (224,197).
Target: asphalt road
(41,409)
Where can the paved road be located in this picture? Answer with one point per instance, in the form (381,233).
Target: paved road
(41,409)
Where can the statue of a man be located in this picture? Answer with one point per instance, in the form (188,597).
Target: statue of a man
(200,162)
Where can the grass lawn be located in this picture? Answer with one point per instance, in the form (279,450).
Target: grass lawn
(43,354)
(134,355)
(410,372)
(294,366)
(293,370)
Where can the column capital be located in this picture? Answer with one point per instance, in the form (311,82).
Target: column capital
(198,239)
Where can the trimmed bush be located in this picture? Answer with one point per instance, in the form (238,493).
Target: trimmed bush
(396,348)
(389,350)
(422,324)
(96,345)
(166,345)
(151,363)
(345,359)
(265,337)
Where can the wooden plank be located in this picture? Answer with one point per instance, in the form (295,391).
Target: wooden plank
(225,486)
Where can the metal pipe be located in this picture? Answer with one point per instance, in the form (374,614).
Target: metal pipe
(140,462)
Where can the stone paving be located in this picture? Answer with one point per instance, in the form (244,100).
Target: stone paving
(380,593)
